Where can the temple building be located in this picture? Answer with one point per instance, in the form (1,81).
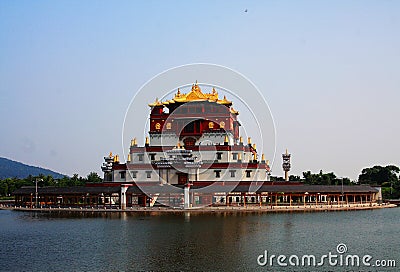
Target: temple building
(194,156)
(194,138)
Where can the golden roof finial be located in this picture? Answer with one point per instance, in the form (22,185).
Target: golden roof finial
(129,158)
(262,157)
(156,103)
(239,156)
(255,156)
(226,139)
(249,140)
(241,140)
(254,146)
(134,141)
(147,140)
(179,92)
(116,158)
(178,145)
(110,155)
(267,162)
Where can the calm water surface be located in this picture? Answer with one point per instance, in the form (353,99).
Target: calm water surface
(190,242)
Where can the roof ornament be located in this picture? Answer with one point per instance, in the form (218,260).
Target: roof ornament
(156,103)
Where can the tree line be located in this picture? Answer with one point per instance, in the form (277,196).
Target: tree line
(9,185)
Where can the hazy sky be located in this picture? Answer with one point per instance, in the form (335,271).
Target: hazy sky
(328,69)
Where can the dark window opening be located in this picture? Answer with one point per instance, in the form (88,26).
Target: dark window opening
(219,155)
(148,174)
(217,173)
(152,157)
(122,174)
(233,173)
(248,173)
(182,178)
(140,157)
(189,128)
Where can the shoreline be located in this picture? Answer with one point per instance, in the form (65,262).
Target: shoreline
(221,209)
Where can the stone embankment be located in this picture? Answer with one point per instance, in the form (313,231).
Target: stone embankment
(249,208)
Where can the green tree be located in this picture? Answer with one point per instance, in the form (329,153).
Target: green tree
(377,175)
(93,177)
(294,178)
(324,179)
(3,188)
(384,176)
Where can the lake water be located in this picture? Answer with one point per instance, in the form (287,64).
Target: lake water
(192,242)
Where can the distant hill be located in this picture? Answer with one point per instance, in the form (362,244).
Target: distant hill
(13,169)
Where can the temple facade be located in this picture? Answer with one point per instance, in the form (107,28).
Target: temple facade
(193,139)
